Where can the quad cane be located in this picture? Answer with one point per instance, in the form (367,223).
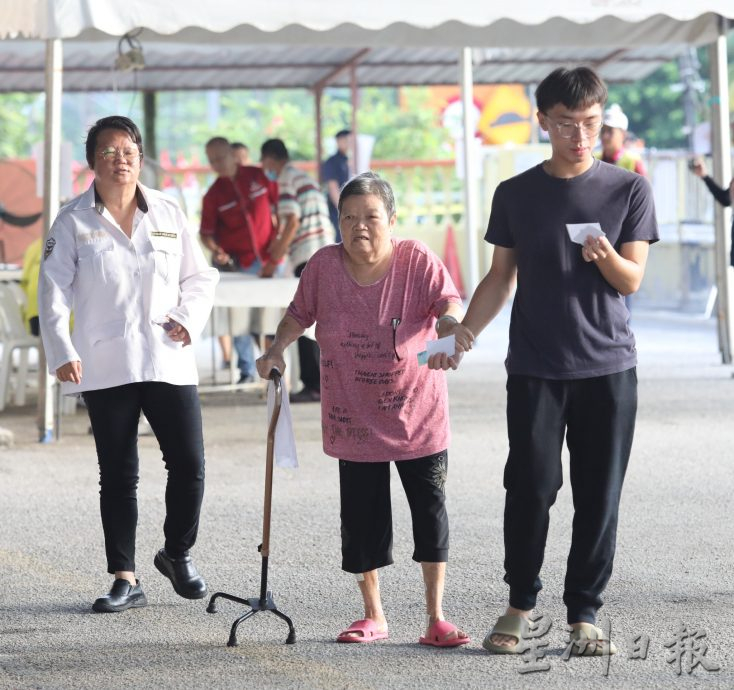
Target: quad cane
(265,601)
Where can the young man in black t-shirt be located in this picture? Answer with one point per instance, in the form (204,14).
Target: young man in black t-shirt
(573,234)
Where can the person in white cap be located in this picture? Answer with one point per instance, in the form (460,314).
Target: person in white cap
(613,132)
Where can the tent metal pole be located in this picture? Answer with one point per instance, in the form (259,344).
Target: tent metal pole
(471,200)
(150,115)
(354,91)
(51,187)
(318,93)
(721,149)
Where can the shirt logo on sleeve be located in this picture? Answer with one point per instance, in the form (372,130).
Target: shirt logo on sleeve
(50,244)
(160,233)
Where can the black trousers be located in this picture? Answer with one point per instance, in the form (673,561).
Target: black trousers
(366,511)
(597,417)
(309,354)
(174,415)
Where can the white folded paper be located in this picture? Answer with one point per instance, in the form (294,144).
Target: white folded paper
(578,232)
(285,443)
(445,345)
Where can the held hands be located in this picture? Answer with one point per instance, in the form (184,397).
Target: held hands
(70,372)
(596,249)
(442,361)
(464,341)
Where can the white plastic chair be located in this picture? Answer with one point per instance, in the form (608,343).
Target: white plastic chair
(13,336)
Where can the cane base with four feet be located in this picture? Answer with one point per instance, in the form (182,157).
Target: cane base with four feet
(264,602)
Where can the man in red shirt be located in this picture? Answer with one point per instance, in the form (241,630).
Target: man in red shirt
(237,226)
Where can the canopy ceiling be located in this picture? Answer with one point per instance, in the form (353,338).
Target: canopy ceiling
(169,66)
(189,44)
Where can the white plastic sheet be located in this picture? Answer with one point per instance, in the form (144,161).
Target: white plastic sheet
(285,442)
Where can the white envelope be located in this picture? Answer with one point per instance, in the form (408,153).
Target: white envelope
(284,448)
(578,232)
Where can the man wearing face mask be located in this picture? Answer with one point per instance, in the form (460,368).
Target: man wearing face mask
(237,226)
(304,227)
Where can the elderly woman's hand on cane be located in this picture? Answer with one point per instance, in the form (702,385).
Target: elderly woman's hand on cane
(272,359)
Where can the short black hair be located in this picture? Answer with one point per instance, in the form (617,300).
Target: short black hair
(239,145)
(342,133)
(576,88)
(119,122)
(274,148)
(217,141)
(369,183)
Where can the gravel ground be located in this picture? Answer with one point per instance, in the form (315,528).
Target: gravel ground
(673,566)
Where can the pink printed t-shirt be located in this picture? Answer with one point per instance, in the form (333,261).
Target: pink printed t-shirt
(375,407)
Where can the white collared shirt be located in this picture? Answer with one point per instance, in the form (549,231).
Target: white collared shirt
(118,288)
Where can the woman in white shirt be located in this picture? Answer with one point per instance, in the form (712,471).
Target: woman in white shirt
(122,257)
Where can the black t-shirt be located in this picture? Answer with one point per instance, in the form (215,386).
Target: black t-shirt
(567,321)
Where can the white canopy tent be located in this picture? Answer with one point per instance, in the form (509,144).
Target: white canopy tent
(466,25)
(380,22)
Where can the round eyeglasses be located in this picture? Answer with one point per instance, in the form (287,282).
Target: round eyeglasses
(111,154)
(566,130)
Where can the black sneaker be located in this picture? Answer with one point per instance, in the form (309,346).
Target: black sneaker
(121,597)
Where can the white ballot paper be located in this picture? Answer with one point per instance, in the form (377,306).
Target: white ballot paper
(284,447)
(578,232)
(446,345)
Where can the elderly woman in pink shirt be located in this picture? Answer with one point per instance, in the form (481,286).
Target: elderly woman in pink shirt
(376,300)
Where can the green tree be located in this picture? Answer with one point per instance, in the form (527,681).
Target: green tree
(19,125)
(654,104)
(654,107)
(410,131)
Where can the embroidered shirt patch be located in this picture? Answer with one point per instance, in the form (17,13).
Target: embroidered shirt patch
(50,244)
(159,233)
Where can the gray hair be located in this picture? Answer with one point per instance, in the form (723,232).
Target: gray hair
(369,183)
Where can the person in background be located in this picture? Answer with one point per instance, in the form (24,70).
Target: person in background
(304,227)
(613,135)
(29,284)
(241,153)
(123,258)
(237,226)
(335,173)
(723,195)
(376,300)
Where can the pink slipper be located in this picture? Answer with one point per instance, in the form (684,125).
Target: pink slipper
(367,630)
(438,635)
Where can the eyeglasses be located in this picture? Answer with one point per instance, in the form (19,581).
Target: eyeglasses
(111,153)
(566,130)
